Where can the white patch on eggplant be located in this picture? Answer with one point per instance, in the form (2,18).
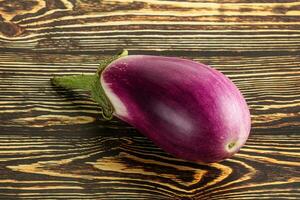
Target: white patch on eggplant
(119,107)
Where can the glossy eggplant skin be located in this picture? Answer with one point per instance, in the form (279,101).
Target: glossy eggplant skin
(188,109)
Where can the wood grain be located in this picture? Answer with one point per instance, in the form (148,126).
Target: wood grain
(54,143)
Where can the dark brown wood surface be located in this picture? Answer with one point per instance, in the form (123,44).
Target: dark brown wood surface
(54,143)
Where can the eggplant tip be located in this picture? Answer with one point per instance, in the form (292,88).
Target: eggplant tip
(231,146)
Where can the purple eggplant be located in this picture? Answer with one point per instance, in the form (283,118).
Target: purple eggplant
(190,110)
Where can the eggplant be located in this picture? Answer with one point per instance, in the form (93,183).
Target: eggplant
(188,109)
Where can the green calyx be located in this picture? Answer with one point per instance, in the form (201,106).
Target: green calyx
(91,83)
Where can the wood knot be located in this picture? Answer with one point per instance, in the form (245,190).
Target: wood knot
(10,29)
(10,9)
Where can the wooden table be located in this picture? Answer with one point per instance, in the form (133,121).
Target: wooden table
(54,143)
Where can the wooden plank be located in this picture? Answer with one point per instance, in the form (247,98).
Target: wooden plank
(130,165)
(81,26)
(54,143)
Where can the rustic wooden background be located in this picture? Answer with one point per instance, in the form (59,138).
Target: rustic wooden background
(54,144)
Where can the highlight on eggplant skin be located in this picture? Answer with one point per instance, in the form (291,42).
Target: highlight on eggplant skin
(189,109)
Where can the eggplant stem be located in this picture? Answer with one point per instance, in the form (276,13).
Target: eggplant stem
(92,84)
(82,81)
(104,63)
